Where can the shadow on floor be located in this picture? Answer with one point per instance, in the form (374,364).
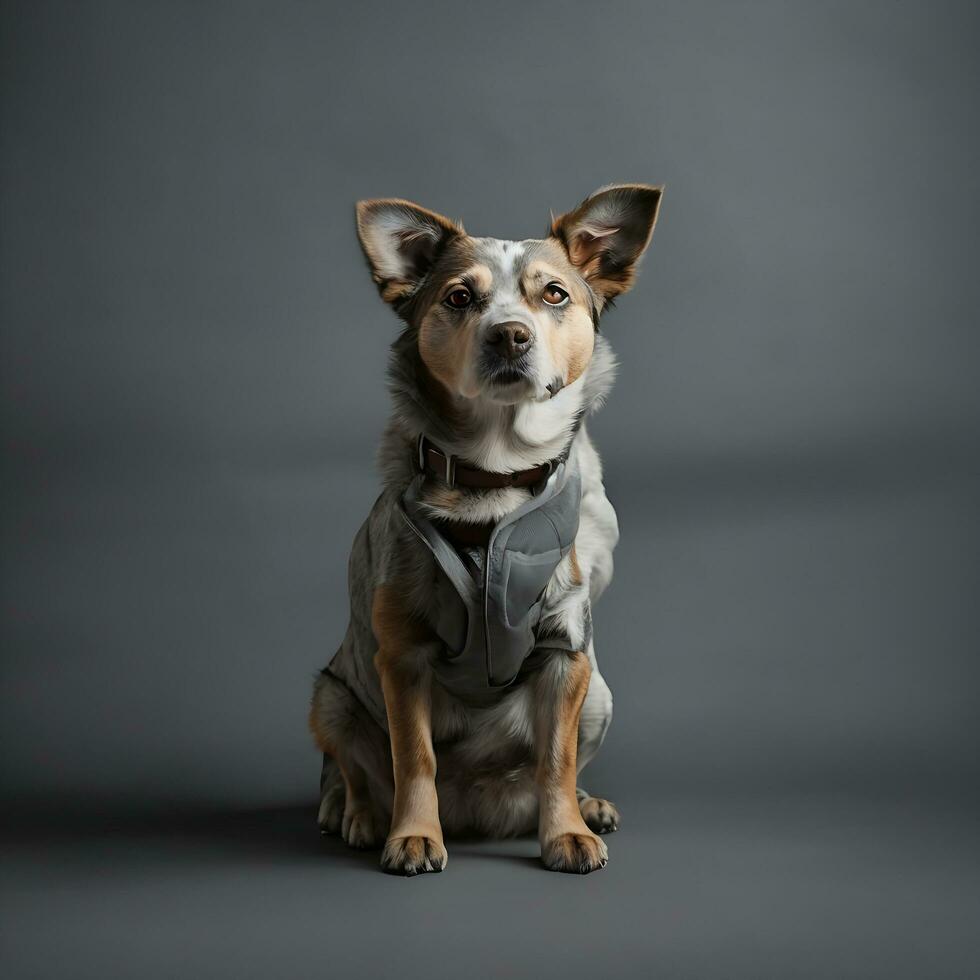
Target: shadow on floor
(260,834)
(281,833)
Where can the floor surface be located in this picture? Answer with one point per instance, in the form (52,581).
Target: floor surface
(830,886)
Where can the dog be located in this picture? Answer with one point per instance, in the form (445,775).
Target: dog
(465,696)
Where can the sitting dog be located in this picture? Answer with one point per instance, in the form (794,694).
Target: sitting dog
(465,696)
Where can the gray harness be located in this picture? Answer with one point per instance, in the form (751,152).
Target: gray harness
(490,601)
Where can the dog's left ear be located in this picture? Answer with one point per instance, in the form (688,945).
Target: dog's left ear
(608,232)
(401,240)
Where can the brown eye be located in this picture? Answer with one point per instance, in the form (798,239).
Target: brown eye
(459,298)
(554,295)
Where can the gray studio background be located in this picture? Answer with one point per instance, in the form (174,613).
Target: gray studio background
(192,380)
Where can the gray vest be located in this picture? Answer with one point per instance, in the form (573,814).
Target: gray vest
(489,602)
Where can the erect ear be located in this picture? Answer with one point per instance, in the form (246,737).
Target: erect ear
(608,232)
(400,241)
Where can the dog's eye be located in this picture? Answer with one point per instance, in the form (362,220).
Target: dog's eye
(554,295)
(459,298)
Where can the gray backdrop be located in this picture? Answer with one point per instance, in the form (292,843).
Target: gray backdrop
(192,380)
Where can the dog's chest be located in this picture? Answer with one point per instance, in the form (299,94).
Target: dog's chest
(502,731)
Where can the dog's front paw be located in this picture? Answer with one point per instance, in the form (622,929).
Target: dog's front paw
(360,830)
(575,853)
(413,855)
(599,815)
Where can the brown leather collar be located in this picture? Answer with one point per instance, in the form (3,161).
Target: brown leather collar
(435,462)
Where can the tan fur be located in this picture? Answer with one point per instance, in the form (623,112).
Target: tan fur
(571,341)
(442,497)
(554,266)
(567,844)
(480,275)
(320,737)
(576,572)
(415,840)
(445,348)
(572,344)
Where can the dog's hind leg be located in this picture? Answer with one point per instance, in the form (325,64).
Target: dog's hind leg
(333,796)
(346,806)
(342,731)
(600,815)
(361,826)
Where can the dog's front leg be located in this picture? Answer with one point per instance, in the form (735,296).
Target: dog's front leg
(567,844)
(415,841)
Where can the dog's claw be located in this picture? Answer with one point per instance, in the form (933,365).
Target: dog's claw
(411,856)
(573,852)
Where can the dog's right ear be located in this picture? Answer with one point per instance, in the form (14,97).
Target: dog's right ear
(608,232)
(401,240)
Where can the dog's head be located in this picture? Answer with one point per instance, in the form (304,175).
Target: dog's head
(502,320)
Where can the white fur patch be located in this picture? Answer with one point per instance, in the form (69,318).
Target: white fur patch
(385,235)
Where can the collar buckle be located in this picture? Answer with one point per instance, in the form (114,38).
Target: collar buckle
(421,451)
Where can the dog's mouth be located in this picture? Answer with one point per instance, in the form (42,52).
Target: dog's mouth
(499,373)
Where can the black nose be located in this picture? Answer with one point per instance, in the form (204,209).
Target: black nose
(509,340)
